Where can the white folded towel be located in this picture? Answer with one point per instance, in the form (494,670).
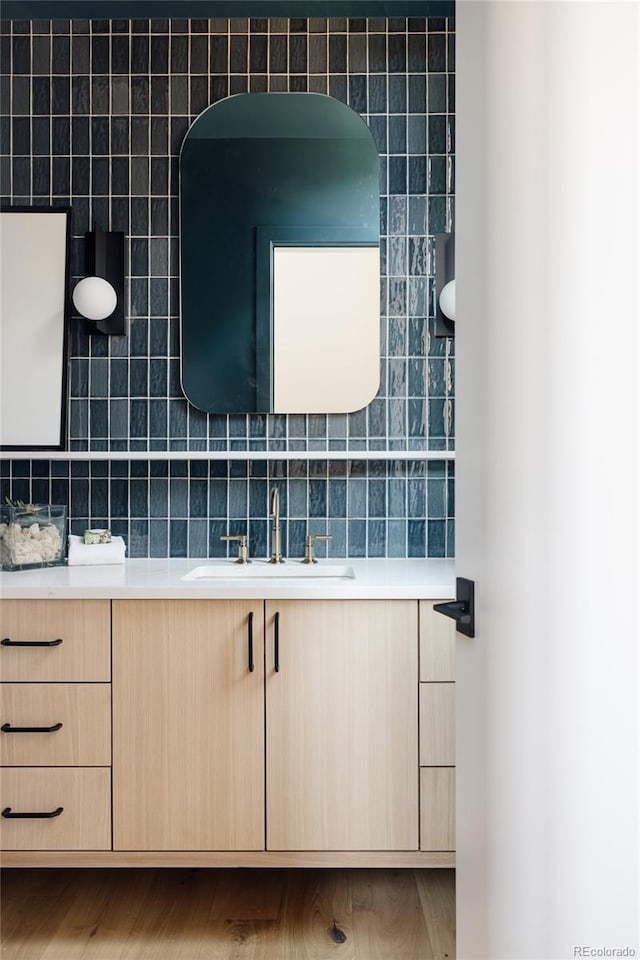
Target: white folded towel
(90,554)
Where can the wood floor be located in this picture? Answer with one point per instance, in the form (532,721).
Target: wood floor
(228,914)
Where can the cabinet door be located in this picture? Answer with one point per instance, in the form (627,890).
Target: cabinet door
(437,645)
(80,711)
(71,640)
(342,725)
(74,801)
(188,725)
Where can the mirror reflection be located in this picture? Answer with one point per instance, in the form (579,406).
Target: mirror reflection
(279,203)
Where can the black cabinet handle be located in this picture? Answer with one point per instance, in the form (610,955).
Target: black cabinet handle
(276,642)
(30,643)
(8,814)
(7,728)
(250,640)
(462,609)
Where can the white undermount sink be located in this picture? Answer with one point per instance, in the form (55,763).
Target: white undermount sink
(262,570)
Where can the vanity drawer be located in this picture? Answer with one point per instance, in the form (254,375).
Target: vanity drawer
(72,640)
(84,795)
(437,645)
(83,709)
(437,808)
(437,724)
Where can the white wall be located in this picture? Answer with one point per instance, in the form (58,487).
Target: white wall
(547,476)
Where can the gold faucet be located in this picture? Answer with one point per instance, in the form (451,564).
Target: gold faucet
(276,543)
(309,541)
(243,547)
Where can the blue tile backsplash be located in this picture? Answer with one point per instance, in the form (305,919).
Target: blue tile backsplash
(93,115)
(181,508)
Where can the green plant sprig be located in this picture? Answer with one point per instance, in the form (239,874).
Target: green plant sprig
(22,506)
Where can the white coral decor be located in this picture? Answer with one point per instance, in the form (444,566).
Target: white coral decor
(27,543)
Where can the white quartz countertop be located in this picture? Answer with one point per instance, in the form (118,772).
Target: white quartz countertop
(163,579)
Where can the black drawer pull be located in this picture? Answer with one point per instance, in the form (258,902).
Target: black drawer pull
(250,641)
(7,728)
(31,643)
(8,814)
(276,642)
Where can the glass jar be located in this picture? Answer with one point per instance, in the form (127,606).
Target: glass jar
(32,536)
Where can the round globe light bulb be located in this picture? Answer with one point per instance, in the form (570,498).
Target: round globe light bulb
(448,300)
(94,298)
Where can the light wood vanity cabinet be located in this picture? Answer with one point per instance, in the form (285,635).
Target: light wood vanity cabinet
(342,733)
(188,725)
(55,725)
(340,701)
(312,732)
(437,730)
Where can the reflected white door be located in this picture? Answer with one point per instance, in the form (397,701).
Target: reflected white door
(326,328)
(547,478)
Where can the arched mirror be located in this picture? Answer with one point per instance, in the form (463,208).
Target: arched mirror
(279,235)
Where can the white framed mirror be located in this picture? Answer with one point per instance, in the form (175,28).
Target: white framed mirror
(34,280)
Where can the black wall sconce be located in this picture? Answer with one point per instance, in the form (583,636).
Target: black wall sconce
(445,285)
(100,295)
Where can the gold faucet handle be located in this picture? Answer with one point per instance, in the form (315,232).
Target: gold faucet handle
(243,546)
(309,540)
